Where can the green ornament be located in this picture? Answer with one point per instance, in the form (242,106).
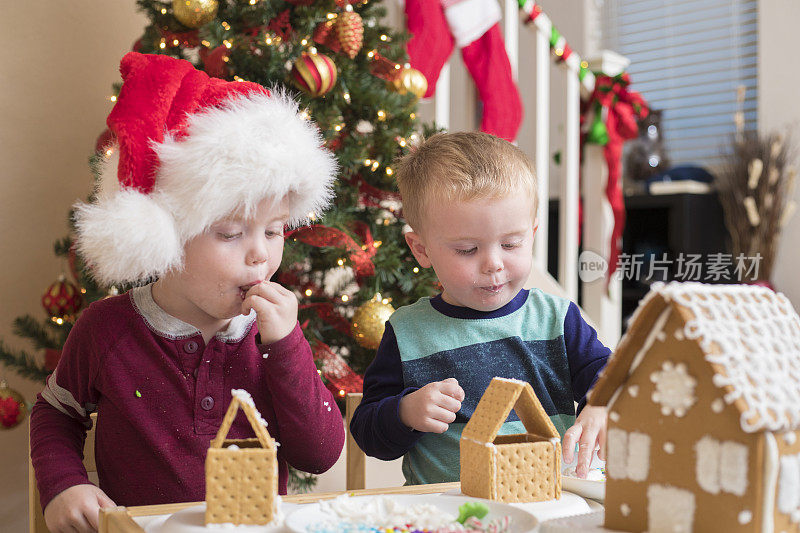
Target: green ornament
(598,133)
(476,509)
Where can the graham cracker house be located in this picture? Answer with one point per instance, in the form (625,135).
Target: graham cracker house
(242,474)
(510,468)
(703,398)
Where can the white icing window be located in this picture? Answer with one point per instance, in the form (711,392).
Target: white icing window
(789,484)
(669,509)
(721,466)
(638,456)
(733,468)
(628,455)
(674,389)
(707,464)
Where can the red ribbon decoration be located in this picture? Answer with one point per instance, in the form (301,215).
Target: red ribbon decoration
(335,370)
(328,314)
(624,108)
(360,256)
(384,68)
(372,196)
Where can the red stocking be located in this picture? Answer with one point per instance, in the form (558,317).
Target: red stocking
(488,64)
(431,42)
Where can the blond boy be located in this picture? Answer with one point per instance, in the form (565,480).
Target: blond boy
(470,199)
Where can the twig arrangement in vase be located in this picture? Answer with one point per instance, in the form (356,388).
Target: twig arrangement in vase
(756,185)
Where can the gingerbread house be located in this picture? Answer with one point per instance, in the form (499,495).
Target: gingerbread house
(510,468)
(242,474)
(703,397)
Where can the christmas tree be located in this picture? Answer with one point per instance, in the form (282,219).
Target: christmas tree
(350,267)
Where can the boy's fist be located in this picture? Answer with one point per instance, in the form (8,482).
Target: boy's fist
(76,509)
(433,407)
(276,310)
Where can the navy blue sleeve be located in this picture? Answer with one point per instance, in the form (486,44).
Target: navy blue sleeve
(376,425)
(586,354)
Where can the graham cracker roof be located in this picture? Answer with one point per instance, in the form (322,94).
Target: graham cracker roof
(750,337)
(241,398)
(500,397)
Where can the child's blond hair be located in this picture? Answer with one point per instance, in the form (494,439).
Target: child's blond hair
(460,167)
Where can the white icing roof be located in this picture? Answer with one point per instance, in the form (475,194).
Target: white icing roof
(757,335)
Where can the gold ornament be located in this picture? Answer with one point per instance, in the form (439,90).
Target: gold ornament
(369,321)
(314,73)
(350,32)
(195,13)
(411,81)
(12,407)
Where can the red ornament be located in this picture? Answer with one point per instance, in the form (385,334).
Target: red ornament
(315,74)
(62,299)
(350,32)
(12,407)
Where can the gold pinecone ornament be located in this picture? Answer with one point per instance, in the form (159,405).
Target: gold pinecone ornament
(195,13)
(350,32)
(369,321)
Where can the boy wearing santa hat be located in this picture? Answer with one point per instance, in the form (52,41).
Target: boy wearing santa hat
(206,176)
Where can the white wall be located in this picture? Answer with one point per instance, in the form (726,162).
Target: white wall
(779,109)
(58,63)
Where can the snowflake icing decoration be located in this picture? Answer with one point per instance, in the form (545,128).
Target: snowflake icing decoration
(674,389)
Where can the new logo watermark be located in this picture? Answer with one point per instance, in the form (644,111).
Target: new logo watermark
(714,267)
(591,266)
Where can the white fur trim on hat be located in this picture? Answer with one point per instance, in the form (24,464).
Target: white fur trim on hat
(232,157)
(127,238)
(255,147)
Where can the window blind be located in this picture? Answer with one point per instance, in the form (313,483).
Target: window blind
(688,57)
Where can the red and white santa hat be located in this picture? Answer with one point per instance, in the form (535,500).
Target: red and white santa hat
(191,150)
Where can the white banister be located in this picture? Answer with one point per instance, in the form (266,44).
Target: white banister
(511,31)
(601,301)
(568,208)
(442,98)
(542,158)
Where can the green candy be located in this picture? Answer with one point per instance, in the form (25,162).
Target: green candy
(476,509)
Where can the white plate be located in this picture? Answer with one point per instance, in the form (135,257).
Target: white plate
(596,490)
(192,520)
(310,515)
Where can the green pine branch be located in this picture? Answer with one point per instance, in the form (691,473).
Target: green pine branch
(29,328)
(300,482)
(22,363)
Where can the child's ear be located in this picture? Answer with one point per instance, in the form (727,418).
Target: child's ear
(417,245)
